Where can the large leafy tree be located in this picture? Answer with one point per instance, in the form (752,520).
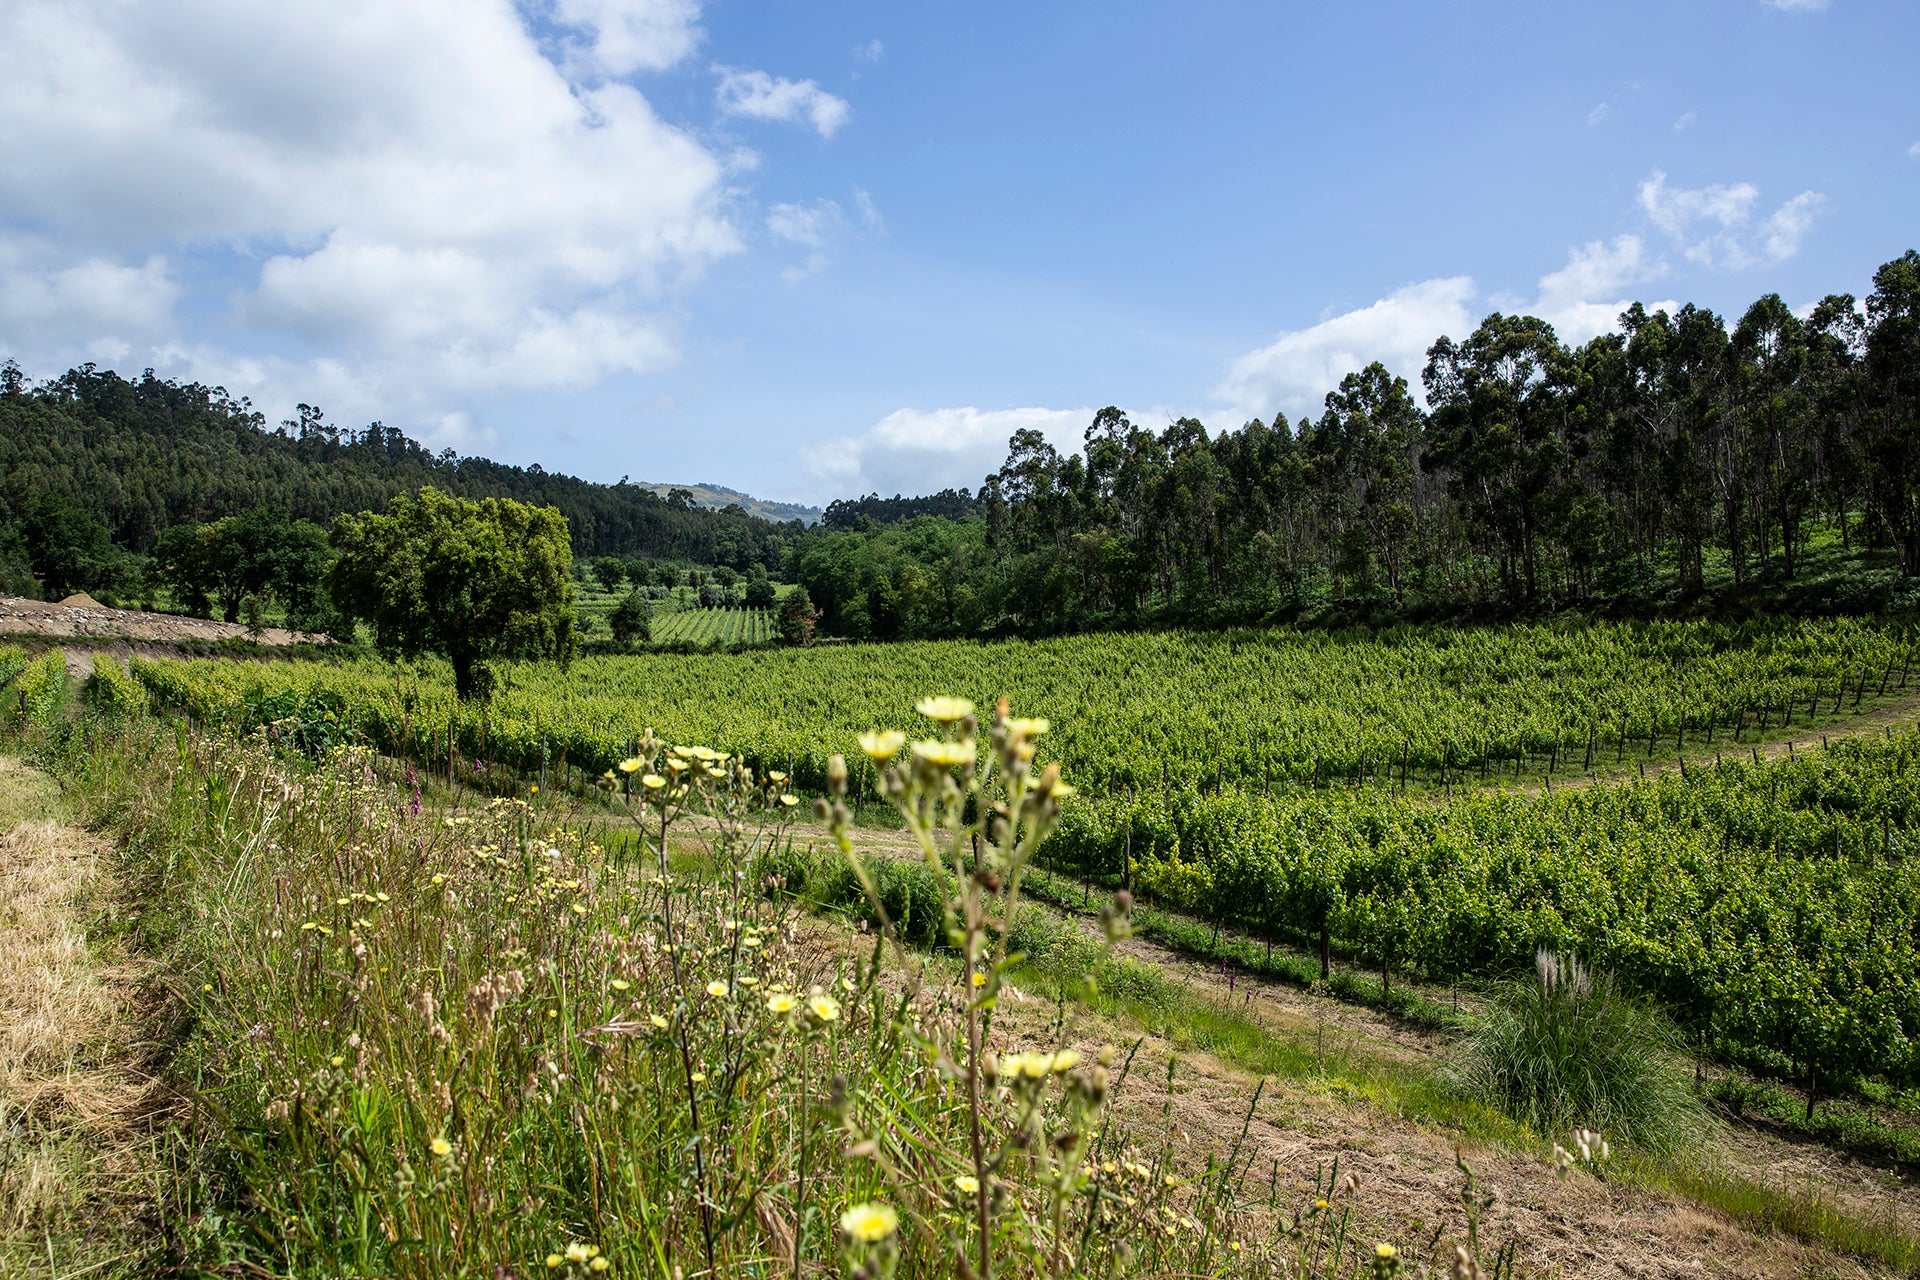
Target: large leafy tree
(67,546)
(475,581)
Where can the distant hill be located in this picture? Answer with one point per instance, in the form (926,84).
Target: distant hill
(717,496)
(148,454)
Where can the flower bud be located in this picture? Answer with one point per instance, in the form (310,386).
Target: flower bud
(836,775)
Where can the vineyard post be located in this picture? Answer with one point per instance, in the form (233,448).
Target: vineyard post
(1592,732)
(1884,677)
(1652,728)
(1553,758)
(1861,692)
(1756,753)
(1405,745)
(1712,714)
(1621,754)
(1680,733)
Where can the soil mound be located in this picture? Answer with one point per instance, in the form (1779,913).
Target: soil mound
(83,601)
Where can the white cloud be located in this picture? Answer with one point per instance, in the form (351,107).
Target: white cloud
(871,51)
(1914,150)
(915,451)
(759,96)
(419,204)
(1797,6)
(1295,371)
(625,36)
(1714,225)
(1585,298)
(806,224)
(1599,113)
(95,307)
(869,212)
(1685,122)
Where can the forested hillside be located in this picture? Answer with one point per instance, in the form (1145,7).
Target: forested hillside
(149,454)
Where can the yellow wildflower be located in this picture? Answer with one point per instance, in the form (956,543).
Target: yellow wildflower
(620,984)
(717,989)
(869,1223)
(882,745)
(944,709)
(631,765)
(824,1007)
(944,755)
(440,1147)
(966,1184)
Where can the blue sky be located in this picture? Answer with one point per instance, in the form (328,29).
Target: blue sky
(812,249)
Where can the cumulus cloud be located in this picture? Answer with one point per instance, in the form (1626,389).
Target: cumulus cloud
(923,451)
(96,307)
(1585,298)
(420,203)
(624,36)
(1294,372)
(1714,225)
(759,96)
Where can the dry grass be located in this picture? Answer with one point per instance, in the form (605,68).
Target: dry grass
(71,1095)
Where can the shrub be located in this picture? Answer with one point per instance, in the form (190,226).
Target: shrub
(111,692)
(1566,1049)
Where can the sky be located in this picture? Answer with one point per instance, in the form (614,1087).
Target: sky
(811,249)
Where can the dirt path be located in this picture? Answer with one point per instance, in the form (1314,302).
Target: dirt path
(1893,715)
(77,1102)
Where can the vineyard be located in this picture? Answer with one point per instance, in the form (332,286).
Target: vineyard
(1341,791)
(714,626)
(1251,712)
(1771,907)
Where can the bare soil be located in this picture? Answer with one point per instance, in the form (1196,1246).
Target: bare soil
(63,621)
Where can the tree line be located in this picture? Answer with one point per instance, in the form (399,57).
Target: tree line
(109,465)
(1681,460)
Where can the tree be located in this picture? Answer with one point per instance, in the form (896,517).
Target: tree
(797,618)
(474,581)
(610,572)
(760,592)
(631,620)
(68,548)
(1893,442)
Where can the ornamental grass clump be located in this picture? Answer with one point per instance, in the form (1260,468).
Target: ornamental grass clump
(1566,1049)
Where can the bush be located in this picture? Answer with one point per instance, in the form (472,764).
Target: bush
(43,689)
(1565,1049)
(111,693)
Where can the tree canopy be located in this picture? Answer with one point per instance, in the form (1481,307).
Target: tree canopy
(472,580)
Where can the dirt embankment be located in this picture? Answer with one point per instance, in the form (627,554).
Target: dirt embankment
(91,621)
